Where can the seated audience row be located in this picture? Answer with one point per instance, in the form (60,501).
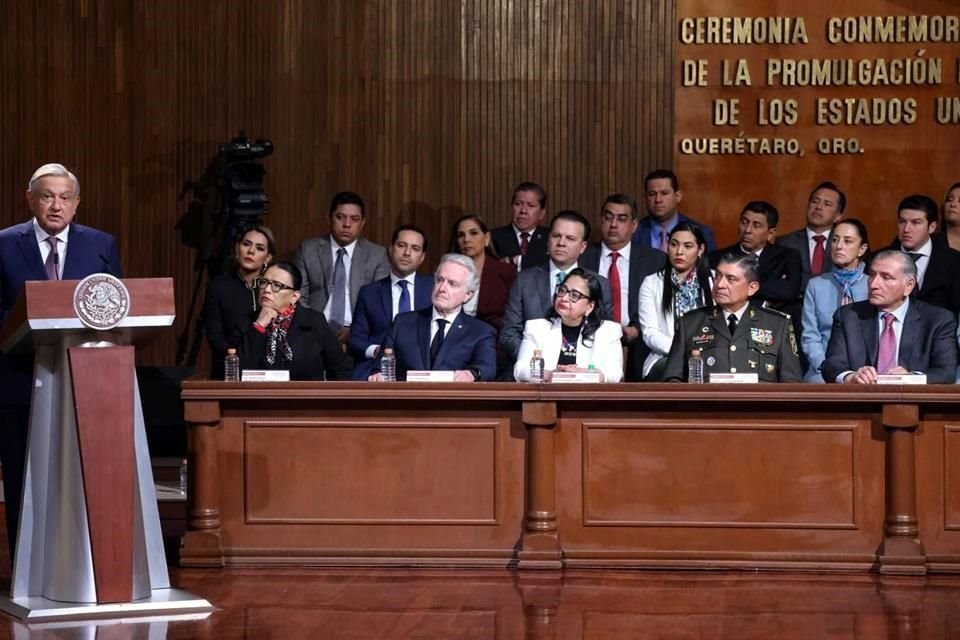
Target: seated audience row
(644,290)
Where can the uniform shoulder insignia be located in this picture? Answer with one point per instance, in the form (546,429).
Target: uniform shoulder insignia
(776,312)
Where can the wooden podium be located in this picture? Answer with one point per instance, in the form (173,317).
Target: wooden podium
(89,544)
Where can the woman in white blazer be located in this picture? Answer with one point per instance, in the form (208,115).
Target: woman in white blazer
(844,284)
(574,335)
(682,285)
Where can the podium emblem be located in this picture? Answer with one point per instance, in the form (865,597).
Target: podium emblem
(101,301)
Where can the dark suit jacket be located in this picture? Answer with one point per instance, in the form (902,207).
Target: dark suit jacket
(531,296)
(941,282)
(643,262)
(779,274)
(928,342)
(468,343)
(315,260)
(642,234)
(226,311)
(797,240)
(496,278)
(374,314)
(88,251)
(316,353)
(506,245)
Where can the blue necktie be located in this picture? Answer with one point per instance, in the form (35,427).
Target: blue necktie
(404,305)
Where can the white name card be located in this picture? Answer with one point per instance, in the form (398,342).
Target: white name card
(430,376)
(731,378)
(264,375)
(902,378)
(562,377)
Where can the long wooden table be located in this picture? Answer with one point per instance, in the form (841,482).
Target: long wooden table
(814,477)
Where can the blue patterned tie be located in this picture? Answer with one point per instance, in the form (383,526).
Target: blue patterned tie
(404,304)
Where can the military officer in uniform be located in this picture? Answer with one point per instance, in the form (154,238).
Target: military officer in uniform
(735,335)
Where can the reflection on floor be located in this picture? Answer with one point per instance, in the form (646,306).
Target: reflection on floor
(395,603)
(465,604)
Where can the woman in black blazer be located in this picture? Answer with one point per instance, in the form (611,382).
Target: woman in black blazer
(232,297)
(284,336)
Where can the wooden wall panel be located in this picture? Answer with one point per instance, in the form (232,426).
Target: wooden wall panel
(425,107)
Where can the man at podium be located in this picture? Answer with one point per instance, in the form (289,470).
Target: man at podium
(47,247)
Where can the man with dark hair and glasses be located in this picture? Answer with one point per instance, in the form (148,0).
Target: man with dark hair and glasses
(735,335)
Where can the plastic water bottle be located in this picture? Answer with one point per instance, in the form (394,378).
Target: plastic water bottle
(695,367)
(536,366)
(388,366)
(231,366)
(183,477)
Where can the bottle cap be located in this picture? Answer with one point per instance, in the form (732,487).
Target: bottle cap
(388,351)
(537,353)
(591,367)
(695,353)
(231,351)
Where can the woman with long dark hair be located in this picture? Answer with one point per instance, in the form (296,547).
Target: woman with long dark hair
(950,217)
(575,334)
(232,296)
(471,237)
(825,293)
(682,285)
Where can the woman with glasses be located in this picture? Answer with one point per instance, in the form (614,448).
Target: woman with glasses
(825,293)
(574,335)
(232,296)
(682,285)
(284,336)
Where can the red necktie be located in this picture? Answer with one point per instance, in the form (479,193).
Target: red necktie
(816,262)
(613,275)
(524,243)
(887,353)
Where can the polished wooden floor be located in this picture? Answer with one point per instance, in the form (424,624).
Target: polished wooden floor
(455,604)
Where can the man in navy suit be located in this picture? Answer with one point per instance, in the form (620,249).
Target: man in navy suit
(442,337)
(663,196)
(524,242)
(379,302)
(48,247)
(890,332)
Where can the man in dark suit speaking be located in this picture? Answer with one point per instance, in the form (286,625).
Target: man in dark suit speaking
(443,337)
(48,247)
(890,332)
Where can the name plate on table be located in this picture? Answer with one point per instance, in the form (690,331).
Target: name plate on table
(561,377)
(902,378)
(264,375)
(731,378)
(430,376)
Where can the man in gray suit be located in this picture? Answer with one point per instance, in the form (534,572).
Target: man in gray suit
(824,208)
(531,295)
(890,332)
(335,266)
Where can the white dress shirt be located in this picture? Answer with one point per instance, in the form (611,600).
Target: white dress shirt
(922,261)
(45,246)
(812,244)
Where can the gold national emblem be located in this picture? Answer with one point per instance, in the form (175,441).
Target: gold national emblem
(101,301)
